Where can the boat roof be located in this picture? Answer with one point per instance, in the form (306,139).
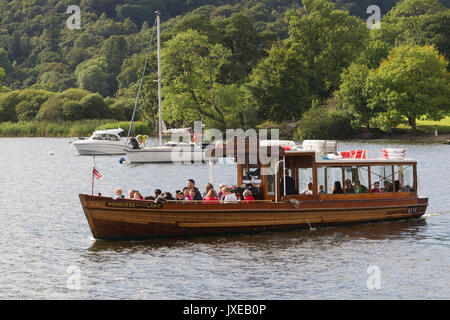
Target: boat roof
(109,131)
(324,160)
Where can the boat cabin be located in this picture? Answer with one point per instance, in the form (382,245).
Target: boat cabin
(108,135)
(357,178)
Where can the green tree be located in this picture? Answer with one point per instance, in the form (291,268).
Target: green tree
(412,83)
(29,102)
(191,66)
(95,107)
(324,122)
(114,50)
(419,22)
(5,64)
(280,84)
(238,34)
(329,40)
(92,75)
(352,95)
(8,102)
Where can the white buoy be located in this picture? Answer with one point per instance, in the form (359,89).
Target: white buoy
(51,153)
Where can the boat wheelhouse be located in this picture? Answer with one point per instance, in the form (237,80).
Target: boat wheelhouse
(379,190)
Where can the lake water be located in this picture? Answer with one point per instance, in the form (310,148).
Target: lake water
(47,250)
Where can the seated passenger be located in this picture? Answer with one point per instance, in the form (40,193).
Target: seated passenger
(348,187)
(138,196)
(209,186)
(248,197)
(397,185)
(337,189)
(168,196)
(178,194)
(133,143)
(157,193)
(376,187)
(161,198)
(131,194)
(359,188)
(186,193)
(191,185)
(388,187)
(221,186)
(211,197)
(119,194)
(308,190)
(192,194)
(228,197)
(321,189)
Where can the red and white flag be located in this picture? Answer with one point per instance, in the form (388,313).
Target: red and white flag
(195,138)
(97,173)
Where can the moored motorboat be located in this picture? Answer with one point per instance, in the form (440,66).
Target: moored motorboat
(102,142)
(376,190)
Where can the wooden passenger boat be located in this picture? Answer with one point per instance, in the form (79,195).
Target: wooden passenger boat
(279,206)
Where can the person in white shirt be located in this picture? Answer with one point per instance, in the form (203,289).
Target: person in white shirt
(309,189)
(119,194)
(228,197)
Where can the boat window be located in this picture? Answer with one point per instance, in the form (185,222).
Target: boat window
(97,137)
(356,179)
(112,137)
(321,184)
(334,177)
(270,180)
(381,178)
(305,176)
(404,178)
(251,174)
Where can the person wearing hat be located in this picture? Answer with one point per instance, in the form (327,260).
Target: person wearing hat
(221,187)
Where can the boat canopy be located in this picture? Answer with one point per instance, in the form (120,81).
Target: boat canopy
(109,131)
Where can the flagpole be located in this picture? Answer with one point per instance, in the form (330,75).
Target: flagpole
(93,177)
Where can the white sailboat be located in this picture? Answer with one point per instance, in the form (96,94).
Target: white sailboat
(173,151)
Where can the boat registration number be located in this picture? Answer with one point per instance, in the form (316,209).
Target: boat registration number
(412,209)
(118,204)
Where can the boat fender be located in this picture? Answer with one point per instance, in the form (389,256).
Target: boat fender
(295,203)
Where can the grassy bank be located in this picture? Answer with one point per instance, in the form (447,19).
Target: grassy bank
(428,127)
(66,128)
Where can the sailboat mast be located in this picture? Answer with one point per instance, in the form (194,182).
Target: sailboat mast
(158,21)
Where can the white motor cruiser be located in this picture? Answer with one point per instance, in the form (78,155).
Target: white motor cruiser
(102,142)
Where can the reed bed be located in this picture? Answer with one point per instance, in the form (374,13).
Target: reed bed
(66,128)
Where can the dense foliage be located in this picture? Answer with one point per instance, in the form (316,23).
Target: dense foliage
(228,63)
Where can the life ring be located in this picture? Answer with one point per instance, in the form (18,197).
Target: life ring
(295,203)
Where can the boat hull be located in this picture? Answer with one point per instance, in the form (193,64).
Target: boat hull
(166,154)
(113,219)
(85,148)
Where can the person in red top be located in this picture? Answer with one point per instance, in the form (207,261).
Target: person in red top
(211,197)
(248,197)
(376,187)
(138,196)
